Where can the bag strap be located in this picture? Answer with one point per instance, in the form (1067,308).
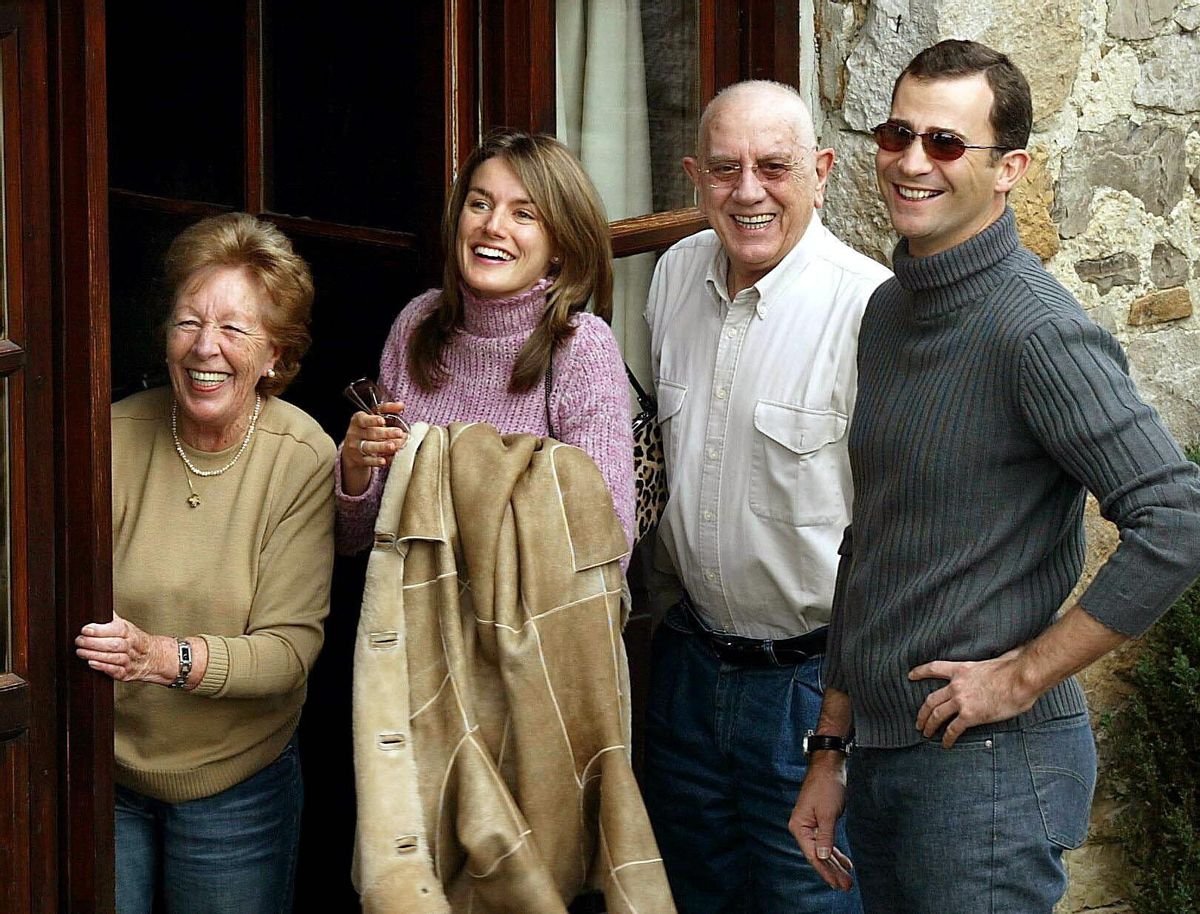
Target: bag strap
(645,401)
(549,384)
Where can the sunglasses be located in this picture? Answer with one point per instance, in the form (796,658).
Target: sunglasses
(367,396)
(939,145)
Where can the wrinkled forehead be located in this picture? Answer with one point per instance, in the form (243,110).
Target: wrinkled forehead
(222,291)
(753,126)
(731,134)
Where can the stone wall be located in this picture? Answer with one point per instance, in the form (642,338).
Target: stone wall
(1111,200)
(1110,203)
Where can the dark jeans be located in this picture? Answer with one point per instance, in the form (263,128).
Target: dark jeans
(723,767)
(977,827)
(231,852)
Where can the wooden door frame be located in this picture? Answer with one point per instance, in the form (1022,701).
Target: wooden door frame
(83,516)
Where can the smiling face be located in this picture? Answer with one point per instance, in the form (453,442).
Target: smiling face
(759,223)
(938,205)
(502,245)
(217,349)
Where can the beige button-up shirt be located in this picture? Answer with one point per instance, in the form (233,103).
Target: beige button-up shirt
(755,395)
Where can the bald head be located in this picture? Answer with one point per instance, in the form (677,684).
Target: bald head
(784,103)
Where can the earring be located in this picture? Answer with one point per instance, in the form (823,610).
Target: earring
(270,372)
(556,260)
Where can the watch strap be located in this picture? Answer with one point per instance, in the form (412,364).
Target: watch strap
(816,742)
(185,663)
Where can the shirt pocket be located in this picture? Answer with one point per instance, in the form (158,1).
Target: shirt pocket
(670,401)
(795,475)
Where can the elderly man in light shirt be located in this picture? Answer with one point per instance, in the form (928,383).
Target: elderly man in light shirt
(754,326)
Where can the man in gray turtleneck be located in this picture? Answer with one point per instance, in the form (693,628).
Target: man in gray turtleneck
(988,405)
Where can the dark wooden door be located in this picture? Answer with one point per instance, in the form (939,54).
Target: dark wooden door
(55,715)
(27,687)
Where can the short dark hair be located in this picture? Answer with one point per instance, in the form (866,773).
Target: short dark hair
(1011,116)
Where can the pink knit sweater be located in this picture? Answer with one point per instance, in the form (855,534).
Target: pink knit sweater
(589,400)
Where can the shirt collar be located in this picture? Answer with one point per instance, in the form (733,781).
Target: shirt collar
(764,292)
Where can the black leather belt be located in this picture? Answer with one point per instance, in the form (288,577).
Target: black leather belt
(736,649)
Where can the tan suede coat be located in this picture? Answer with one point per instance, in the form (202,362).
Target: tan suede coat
(490,707)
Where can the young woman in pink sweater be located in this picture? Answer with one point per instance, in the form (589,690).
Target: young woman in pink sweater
(506,340)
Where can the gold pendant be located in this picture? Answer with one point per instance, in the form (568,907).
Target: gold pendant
(193,500)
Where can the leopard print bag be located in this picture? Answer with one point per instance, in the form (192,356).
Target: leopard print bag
(649,466)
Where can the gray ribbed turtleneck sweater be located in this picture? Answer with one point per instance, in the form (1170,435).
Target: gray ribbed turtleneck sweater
(987,402)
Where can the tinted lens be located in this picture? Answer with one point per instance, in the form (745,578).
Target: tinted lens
(945,147)
(725,173)
(893,137)
(773,171)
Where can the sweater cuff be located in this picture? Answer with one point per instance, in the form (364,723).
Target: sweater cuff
(337,483)
(216,674)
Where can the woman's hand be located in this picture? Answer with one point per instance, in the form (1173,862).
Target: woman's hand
(126,653)
(370,442)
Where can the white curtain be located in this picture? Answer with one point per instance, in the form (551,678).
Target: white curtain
(601,96)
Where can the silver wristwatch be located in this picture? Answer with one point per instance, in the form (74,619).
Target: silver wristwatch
(185,664)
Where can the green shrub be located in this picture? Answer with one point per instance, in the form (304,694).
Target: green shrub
(1155,769)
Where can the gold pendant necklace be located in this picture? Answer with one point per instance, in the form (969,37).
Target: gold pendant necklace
(193,499)
(189,468)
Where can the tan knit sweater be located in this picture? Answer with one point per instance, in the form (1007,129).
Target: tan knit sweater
(248,570)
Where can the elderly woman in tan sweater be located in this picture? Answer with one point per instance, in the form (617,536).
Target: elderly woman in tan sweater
(223,546)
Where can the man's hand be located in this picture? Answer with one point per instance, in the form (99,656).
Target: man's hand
(820,803)
(987,691)
(978,692)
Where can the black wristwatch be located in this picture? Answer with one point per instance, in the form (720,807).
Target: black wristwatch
(185,664)
(816,742)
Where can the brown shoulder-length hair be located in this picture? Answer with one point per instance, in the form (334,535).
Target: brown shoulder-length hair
(573,218)
(266,254)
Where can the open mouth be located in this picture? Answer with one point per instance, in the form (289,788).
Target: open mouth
(916,193)
(494,254)
(207,379)
(754,222)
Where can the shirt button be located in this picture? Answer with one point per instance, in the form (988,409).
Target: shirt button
(708,515)
(712,575)
(731,332)
(721,392)
(712,453)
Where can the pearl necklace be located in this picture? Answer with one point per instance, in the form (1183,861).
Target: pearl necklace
(194,499)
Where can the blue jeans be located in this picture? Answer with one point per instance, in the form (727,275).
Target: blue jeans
(723,766)
(977,827)
(234,851)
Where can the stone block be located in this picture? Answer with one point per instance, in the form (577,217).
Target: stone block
(1157,307)
(1167,373)
(1168,266)
(853,210)
(1170,76)
(1032,200)
(892,33)
(1048,53)
(1147,160)
(1105,273)
(1188,17)
(1138,18)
